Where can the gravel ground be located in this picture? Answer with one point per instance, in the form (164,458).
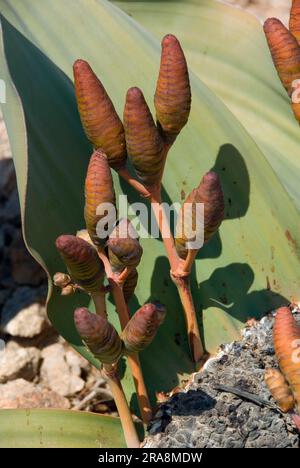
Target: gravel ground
(203,417)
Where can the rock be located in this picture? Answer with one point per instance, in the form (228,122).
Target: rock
(14,389)
(22,394)
(58,374)
(19,362)
(43,399)
(24,269)
(23,313)
(76,361)
(5,151)
(28,323)
(201,416)
(8,177)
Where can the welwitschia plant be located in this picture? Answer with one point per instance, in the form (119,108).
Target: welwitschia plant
(147,145)
(113,248)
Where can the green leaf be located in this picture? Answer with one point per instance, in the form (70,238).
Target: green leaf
(246,270)
(51,428)
(227,49)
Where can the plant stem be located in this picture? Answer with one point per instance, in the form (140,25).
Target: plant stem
(138,186)
(179,270)
(130,434)
(181,279)
(165,230)
(188,262)
(99,301)
(184,289)
(133,360)
(111,373)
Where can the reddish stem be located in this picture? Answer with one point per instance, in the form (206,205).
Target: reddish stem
(138,186)
(129,430)
(164,227)
(133,360)
(180,270)
(184,289)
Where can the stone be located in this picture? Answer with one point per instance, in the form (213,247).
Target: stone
(24,305)
(14,389)
(5,151)
(58,374)
(24,268)
(76,362)
(22,394)
(202,416)
(43,399)
(28,323)
(19,362)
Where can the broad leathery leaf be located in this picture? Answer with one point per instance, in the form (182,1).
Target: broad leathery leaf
(249,268)
(225,46)
(51,428)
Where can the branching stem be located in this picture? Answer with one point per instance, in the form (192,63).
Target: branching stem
(180,270)
(184,290)
(133,360)
(111,373)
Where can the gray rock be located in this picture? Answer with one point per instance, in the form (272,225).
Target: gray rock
(5,151)
(14,389)
(58,374)
(28,322)
(22,394)
(18,362)
(203,417)
(17,309)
